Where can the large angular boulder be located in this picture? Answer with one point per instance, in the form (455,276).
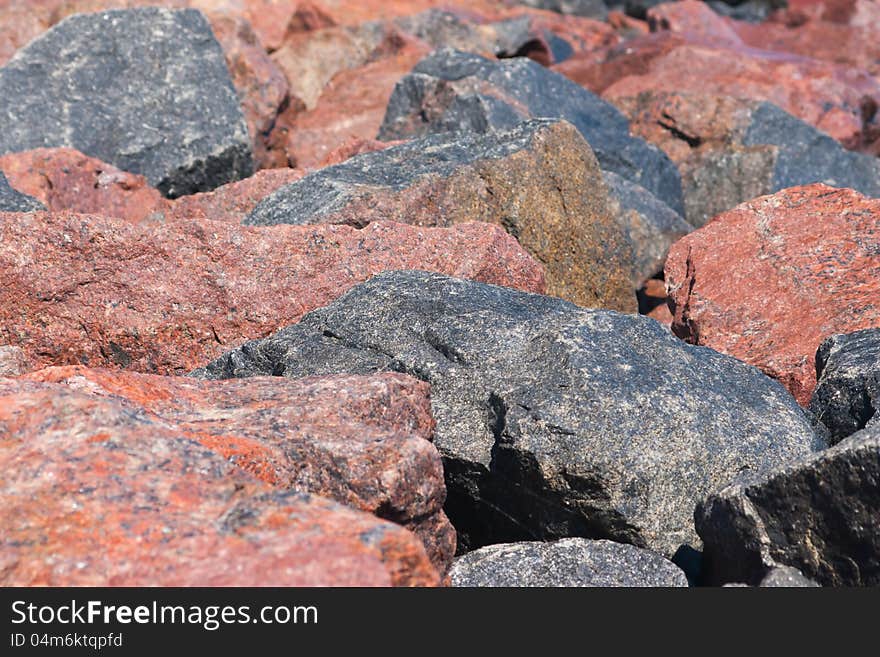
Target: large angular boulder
(731,150)
(768,281)
(820,515)
(332,436)
(164,296)
(847,397)
(452,90)
(566,562)
(97,492)
(539,180)
(11,200)
(838,100)
(552,420)
(146,90)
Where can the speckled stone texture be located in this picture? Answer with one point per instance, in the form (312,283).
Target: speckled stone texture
(567,562)
(731,150)
(786,577)
(820,515)
(96,492)
(651,224)
(167,296)
(12,200)
(539,180)
(552,420)
(452,90)
(768,281)
(847,397)
(332,436)
(90,83)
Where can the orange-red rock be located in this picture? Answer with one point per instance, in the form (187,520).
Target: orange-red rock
(362,441)
(232,202)
(769,280)
(838,100)
(693,18)
(96,492)
(168,296)
(65,179)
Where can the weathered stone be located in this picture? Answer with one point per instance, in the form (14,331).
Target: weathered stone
(20,22)
(262,87)
(567,562)
(231,203)
(731,150)
(354,147)
(552,420)
(768,281)
(820,515)
(539,180)
(785,577)
(753,11)
(652,225)
(333,436)
(13,361)
(166,296)
(652,301)
(96,492)
(84,85)
(847,397)
(11,200)
(838,100)
(451,90)
(65,179)
(692,17)
(591,8)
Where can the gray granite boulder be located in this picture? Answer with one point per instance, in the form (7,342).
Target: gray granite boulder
(552,420)
(146,90)
(786,577)
(11,200)
(451,90)
(820,515)
(847,396)
(652,225)
(567,562)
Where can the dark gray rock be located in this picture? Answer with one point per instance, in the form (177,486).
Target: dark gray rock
(589,8)
(820,515)
(552,420)
(652,225)
(146,90)
(440,28)
(539,180)
(785,577)
(753,11)
(11,200)
(567,562)
(451,90)
(847,397)
(806,155)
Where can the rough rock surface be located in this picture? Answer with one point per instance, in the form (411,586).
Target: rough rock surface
(451,90)
(567,562)
(820,515)
(695,18)
(95,492)
(65,179)
(13,361)
(591,8)
(847,397)
(539,180)
(332,436)
(12,200)
(84,84)
(652,225)
(731,150)
(167,296)
(768,281)
(785,577)
(553,420)
(836,99)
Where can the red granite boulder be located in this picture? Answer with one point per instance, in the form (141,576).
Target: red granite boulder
(98,492)
(768,281)
(362,441)
(167,296)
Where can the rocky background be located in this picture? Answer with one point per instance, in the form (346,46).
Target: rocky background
(419,293)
